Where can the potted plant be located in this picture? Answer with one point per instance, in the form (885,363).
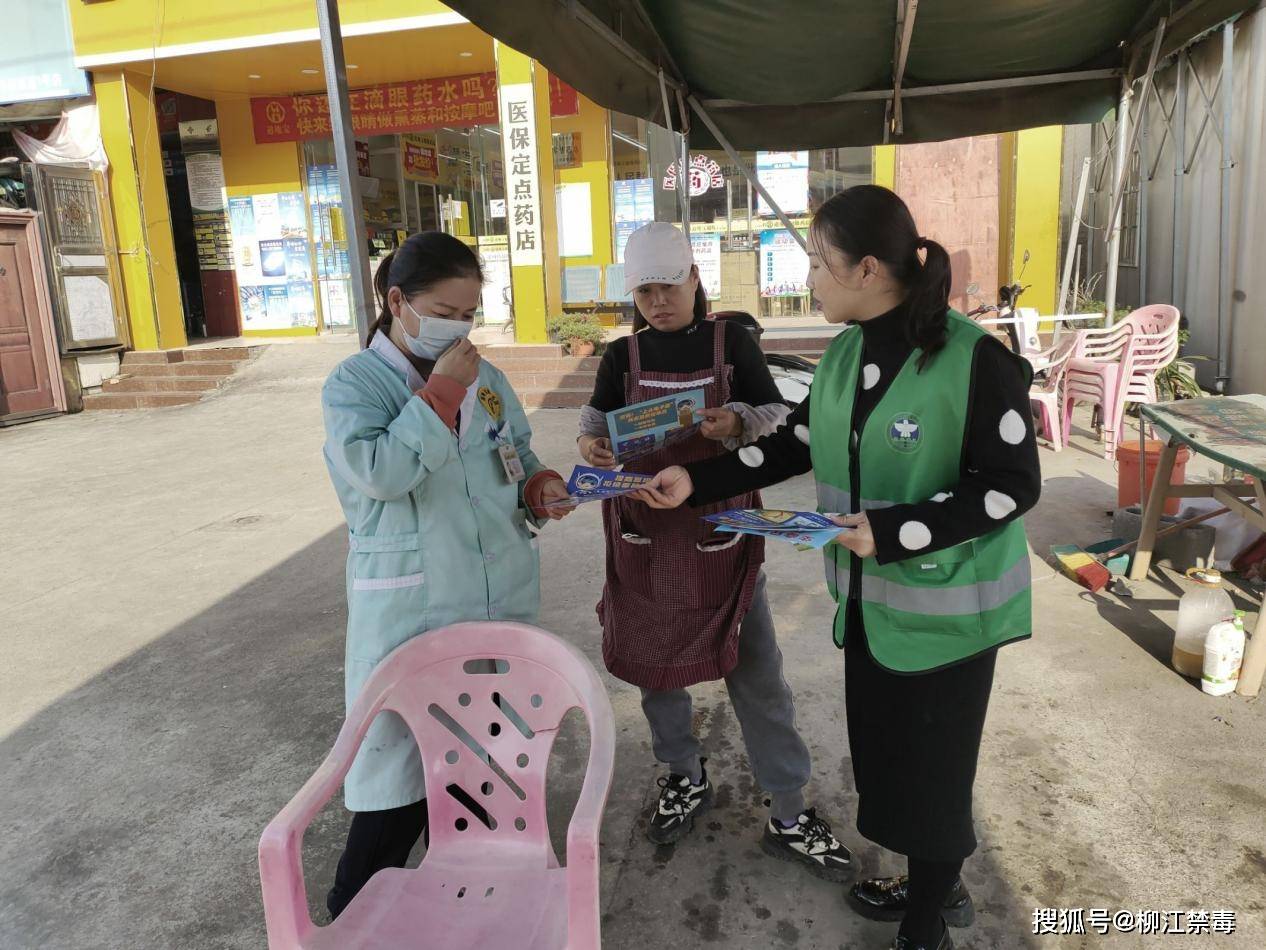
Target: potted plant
(579,332)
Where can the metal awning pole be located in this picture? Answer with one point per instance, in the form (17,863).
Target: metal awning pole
(906,11)
(345,159)
(1178,262)
(1118,192)
(1074,231)
(747,172)
(683,183)
(1114,221)
(1224,240)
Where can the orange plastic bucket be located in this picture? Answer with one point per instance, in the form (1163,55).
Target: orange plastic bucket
(1128,472)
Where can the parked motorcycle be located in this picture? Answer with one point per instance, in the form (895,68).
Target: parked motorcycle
(792,374)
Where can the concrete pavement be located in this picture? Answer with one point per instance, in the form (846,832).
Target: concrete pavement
(172,631)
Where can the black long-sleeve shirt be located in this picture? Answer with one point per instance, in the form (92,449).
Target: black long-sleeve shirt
(1000,464)
(686,351)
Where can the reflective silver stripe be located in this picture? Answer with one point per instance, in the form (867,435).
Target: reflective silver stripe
(387,583)
(948,601)
(839,501)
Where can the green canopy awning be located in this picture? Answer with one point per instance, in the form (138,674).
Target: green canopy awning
(796,74)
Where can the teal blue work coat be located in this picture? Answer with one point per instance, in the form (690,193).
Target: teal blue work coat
(438,535)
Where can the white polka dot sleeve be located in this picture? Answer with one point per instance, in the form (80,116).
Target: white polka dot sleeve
(1001,476)
(782,454)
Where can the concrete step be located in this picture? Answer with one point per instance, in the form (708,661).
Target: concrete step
(559,364)
(216,354)
(194,385)
(554,398)
(493,350)
(199,368)
(551,380)
(139,400)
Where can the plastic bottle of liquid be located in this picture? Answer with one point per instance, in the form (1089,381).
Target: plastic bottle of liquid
(1198,610)
(1223,653)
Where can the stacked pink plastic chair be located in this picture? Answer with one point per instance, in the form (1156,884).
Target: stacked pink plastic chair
(1119,364)
(1046,394)
(489,880)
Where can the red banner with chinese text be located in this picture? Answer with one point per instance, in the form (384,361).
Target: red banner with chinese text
(563,99)
(454,101)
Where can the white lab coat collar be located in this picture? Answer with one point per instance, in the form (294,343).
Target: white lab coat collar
(390,353)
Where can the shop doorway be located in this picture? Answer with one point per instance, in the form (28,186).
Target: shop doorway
(189,135)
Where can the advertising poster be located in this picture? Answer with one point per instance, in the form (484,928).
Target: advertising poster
(267,216)
(575,230)
(298,266)
(272,258)
(252,301)
(707,251)
(338,308)
(302,304)
(648,426)
(784,266)
(785,175)
(497,294)
(418,158)
(634,207)
(294,223)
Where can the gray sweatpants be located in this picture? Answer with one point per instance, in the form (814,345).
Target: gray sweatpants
(765,709)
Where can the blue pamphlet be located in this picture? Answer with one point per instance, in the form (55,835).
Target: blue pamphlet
(648,426)
(805,529)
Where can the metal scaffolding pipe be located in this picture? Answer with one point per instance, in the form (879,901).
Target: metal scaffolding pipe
(345,160)
(1224,241)
(1178,263)
(1114,221)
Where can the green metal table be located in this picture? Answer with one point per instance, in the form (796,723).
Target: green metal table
(1230,430)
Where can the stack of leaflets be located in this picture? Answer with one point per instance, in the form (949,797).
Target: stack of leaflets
(595,484)
(804,529)
(648,426)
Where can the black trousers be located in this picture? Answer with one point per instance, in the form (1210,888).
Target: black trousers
(376,840)
(914,741)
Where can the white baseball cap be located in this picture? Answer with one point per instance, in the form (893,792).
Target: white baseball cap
(657,253)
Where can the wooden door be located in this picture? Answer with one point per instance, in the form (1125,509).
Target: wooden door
(953,192)
(28,358)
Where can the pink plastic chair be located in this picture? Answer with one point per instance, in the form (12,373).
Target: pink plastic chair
(479,885)
(1102,372)
(1047,393)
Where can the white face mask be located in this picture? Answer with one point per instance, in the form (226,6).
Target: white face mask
(435,334)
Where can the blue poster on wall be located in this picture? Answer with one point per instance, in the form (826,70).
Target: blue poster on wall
(634,207)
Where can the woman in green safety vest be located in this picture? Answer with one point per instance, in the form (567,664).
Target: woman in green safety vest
(920,437)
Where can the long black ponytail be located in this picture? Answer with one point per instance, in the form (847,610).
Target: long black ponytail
(421,262)
(871,221)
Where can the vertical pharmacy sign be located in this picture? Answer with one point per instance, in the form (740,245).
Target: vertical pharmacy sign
(523,200)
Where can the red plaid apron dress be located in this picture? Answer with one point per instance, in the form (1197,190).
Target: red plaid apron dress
(676,591)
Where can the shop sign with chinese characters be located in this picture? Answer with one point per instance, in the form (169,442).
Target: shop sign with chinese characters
(523,210)
(455,102)
(705,174)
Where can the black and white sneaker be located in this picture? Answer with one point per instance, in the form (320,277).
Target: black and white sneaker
(679,801)
(809,842)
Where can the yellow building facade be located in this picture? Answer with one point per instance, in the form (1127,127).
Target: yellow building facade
(197,100)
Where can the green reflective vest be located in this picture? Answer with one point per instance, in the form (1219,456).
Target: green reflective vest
(937,607)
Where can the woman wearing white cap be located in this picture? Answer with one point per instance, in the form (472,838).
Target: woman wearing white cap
(682,604)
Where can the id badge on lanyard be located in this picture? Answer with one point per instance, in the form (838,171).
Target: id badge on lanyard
(502,437)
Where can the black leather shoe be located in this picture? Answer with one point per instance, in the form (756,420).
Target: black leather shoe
(904,943)
(886,898)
